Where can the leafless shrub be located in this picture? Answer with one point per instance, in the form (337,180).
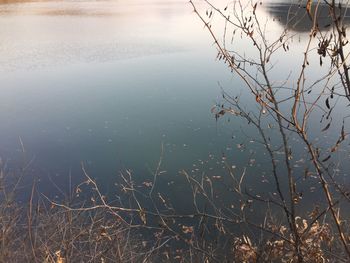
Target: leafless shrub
(39,231)
(228,221)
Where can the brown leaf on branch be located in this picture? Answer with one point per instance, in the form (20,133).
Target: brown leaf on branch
(308,8)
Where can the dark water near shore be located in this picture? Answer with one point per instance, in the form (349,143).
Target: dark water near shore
(107,83)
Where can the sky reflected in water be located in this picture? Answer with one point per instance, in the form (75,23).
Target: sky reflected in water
(107,82)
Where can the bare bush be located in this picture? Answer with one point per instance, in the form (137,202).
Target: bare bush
(297,212)
(38,231)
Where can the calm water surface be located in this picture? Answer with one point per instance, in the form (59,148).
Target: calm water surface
(106,83)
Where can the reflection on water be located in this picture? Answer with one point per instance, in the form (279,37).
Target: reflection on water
(294,16)
(47,33)
(106,82)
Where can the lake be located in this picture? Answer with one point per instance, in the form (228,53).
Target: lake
(107,83)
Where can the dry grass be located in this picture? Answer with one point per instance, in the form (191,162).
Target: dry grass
(64,236)
(45,233)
